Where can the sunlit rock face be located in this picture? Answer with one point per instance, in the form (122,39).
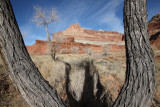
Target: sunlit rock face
(83,35)
(77,37)
(154,31)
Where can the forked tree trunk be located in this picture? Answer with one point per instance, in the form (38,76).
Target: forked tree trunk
(34,89)
(139,84)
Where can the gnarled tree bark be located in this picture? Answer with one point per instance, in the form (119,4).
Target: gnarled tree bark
(139,84)
(34,89)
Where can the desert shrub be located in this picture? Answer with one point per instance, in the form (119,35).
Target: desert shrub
(53,72)
(158,67)
(114,68)
(97,55)
(64,51)
(75,50)
(88,50)
(106,49)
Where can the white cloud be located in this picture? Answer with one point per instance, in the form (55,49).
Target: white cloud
(81,12)
(113,21)
(107,15)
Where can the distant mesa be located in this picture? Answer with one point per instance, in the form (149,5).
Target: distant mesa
(81,38)
(82,35)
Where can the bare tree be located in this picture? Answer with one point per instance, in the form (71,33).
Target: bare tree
(139,85)
(35,90)
(45,17)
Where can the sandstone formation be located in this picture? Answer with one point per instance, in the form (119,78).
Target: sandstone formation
(83,39)
(154,31)
(91,36)
(41,47)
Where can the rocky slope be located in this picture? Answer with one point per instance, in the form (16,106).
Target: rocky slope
(83,35)
(154,31)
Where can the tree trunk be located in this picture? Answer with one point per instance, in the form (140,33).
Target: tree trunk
(51,52)
(24,74)
(139,84)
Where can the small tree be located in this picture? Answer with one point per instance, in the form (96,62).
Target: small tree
(45,17)
(56,46)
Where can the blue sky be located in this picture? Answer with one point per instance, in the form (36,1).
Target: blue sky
(90,14)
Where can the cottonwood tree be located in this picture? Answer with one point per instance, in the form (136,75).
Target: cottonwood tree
(45,17)
(35,90)
(139,85)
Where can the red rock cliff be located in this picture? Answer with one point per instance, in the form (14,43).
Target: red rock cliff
(76,36)
(154,31)
(82,35)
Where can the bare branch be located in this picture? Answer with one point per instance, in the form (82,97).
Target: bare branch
(53,16)
(44,16)
(39,16)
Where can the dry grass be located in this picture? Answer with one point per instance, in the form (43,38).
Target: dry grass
(115,68)
(52,71)
(156,99)
(47,67)
(111,70)
(77,77)
(9,96)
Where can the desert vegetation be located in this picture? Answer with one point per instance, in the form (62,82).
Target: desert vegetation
(110,69)
(75,50)
(88,50)
(46,17)
(80,80)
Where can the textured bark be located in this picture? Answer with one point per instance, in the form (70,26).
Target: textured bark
(139,84)
(34,89)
